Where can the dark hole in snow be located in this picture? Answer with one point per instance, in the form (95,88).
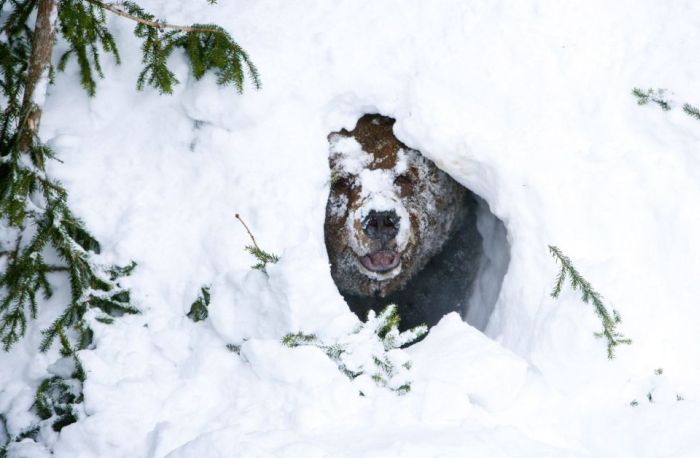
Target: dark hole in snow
(454,252)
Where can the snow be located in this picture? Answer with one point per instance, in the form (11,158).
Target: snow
(526,103)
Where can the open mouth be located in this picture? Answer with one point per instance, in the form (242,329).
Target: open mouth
(381,261)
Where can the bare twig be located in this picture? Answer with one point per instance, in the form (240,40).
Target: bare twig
(157,24)
(247,230)
(56,269)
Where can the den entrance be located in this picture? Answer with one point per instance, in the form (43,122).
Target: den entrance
(399,230)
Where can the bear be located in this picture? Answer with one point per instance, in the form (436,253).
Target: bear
(397,229)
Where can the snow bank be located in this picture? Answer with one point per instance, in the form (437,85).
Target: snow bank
(525,103)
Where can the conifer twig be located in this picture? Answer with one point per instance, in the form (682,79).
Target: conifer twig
(610,322)
(261,255)
(691,111)
(157,24)
(652,95)
(382,328)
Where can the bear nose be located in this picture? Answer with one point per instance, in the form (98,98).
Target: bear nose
(381,226)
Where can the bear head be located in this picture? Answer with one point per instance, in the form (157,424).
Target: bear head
(389,211)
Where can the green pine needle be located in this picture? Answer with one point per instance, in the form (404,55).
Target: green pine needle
(589,295)
(642,96)
(199,309)
(83,25)
(691,111)
(209,49)
(55,401)
(656,96)
(298,339)
(263,257)
(385,327)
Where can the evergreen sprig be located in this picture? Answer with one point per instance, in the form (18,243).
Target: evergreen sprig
(200,307)
(691,111)
(215,50)
(208,46)
(15,50)
(34,204)
(263,257)
(56,400)
(589,295)
(83,25)
(379,340)
(656,96)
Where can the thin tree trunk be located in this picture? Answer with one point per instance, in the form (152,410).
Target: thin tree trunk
(39,62)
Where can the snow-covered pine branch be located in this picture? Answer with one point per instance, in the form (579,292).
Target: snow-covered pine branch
(371,355)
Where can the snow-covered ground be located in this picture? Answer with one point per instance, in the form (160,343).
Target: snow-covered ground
(526,103)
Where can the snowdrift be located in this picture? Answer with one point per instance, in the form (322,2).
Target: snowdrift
(527,104)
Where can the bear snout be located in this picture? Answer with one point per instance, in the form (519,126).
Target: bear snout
(382,226)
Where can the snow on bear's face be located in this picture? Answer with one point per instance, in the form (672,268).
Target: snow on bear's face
(389,210)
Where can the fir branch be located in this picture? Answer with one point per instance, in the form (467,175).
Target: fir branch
(589,295)
(656,96)
(55,401)
(691,111)
(91,286)
(199,309)
(208,46)
(261,255)
(84,26)
(293,340)
(642,96)
(381,336)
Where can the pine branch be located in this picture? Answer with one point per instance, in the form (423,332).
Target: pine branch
(84,26)
(379,340)
(208,46)
(263,257)
(642,96)
(55,401)
(691,111)
(91,286)
(589,295)
(293,340)
(657,96)
(199,309)
(652,95)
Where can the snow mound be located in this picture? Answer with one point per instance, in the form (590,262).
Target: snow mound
(527,104)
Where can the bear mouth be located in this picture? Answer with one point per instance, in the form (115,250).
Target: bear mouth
(381,261)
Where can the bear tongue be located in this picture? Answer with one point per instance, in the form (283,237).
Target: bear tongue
(381,260)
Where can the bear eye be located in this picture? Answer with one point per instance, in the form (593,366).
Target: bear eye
(340,184)
(402,180)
